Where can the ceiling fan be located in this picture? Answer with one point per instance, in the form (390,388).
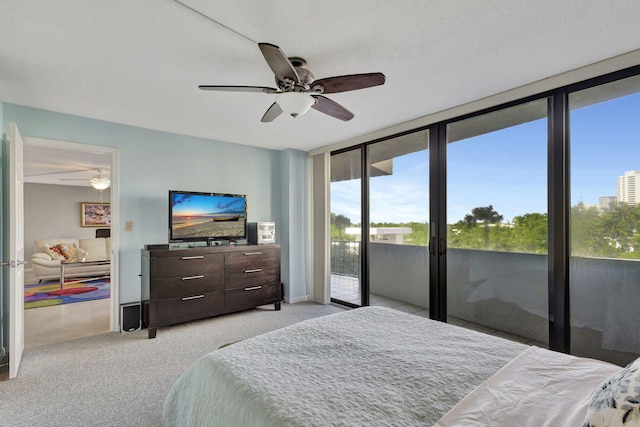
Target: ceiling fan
(99,182)
(298,91)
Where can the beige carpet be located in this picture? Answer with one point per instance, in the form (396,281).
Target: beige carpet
(122,379)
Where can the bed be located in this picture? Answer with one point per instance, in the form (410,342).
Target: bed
(378,366)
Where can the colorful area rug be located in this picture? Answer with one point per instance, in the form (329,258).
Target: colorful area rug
(48,293)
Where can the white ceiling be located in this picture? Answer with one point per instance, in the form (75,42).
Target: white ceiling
(140,62)
(49,165)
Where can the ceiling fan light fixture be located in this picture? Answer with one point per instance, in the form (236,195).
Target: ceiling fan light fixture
(100,182)
(295,103)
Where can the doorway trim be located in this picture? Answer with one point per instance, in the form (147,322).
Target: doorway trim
(114,303)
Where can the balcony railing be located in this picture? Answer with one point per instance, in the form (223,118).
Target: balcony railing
(345,258)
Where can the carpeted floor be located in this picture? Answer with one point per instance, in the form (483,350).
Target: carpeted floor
(119,379)
(49,293)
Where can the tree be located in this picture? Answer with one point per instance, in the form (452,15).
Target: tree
(530,233)
(469,220)
(621,225)
(586,233)
(466,234)
(340,222)
(613,233)
(463,235)
(487,215)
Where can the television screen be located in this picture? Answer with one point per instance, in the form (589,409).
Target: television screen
(197,216)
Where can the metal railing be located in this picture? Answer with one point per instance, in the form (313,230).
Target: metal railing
(345,257)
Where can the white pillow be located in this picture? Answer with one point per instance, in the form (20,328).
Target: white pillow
(616,402)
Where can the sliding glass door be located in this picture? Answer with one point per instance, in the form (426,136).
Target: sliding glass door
(383,259)
(346,227)
(398,176)
(497,221)
(605,221)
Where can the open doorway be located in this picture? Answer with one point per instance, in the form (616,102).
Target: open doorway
(64,210)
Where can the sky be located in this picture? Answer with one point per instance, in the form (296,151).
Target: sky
(507,169)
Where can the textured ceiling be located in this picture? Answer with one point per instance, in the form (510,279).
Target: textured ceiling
(140,62)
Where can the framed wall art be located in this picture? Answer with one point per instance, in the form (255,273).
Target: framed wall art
(95,214)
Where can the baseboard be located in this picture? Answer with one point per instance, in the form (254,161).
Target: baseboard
(297,299)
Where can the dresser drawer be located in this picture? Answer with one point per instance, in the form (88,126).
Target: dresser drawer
(176,310)
(251,296)
(251,268)
(246,259)
(256,275)
(187,265)
(188,285)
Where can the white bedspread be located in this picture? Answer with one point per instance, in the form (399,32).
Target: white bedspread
(538,388)
(363,367)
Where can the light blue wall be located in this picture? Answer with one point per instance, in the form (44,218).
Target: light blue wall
(152,162)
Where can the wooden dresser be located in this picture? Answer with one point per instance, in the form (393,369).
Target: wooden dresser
(179,285)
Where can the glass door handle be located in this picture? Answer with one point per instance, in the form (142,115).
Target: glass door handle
(442,247)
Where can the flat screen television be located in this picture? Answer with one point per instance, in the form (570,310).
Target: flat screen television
(196,216)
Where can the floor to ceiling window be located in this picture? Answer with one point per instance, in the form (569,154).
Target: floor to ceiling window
(605,221)
(497,220)
(398,170)
(531,210)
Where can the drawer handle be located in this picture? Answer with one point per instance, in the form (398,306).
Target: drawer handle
(253,288)
(253,253)
(255,270)
(193,257)
(193,277)
(193,297)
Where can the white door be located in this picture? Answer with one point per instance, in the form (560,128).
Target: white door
(15,250)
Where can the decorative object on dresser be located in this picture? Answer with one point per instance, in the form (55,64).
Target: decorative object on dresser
(184,284)
(260,233)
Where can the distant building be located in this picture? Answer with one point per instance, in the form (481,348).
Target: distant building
(626,188)
(393,235)
(606,201)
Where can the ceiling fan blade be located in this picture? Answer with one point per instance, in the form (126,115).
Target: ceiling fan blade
(332,108)
(279,63)
(240,88)
(350,82)
(58,172)
(271,114)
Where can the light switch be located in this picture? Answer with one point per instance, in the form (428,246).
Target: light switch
(128,226)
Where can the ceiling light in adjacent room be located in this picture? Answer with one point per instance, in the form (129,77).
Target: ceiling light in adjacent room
(100,182)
